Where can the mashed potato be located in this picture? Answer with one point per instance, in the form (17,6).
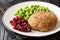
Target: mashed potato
(43,21)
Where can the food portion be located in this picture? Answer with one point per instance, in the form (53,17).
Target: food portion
(43,21)
(27,11)
(20,24)
(34,17)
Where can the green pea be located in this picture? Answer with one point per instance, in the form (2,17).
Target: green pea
(35,11)
(31,12)
(22,14)
(32,6)
(16,13)
(47,10)
(38,9)
(27,13)
(26,8)
(26,17)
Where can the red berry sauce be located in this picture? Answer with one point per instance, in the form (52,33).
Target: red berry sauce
(20,24)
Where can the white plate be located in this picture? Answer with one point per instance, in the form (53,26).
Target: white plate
(9,14)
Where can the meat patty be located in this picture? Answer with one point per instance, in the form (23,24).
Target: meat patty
(43,21)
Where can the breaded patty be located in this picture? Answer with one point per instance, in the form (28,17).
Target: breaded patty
(43,21)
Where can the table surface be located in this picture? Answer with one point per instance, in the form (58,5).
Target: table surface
(7,35)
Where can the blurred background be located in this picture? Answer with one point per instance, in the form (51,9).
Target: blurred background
(7,35)
(7,3)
